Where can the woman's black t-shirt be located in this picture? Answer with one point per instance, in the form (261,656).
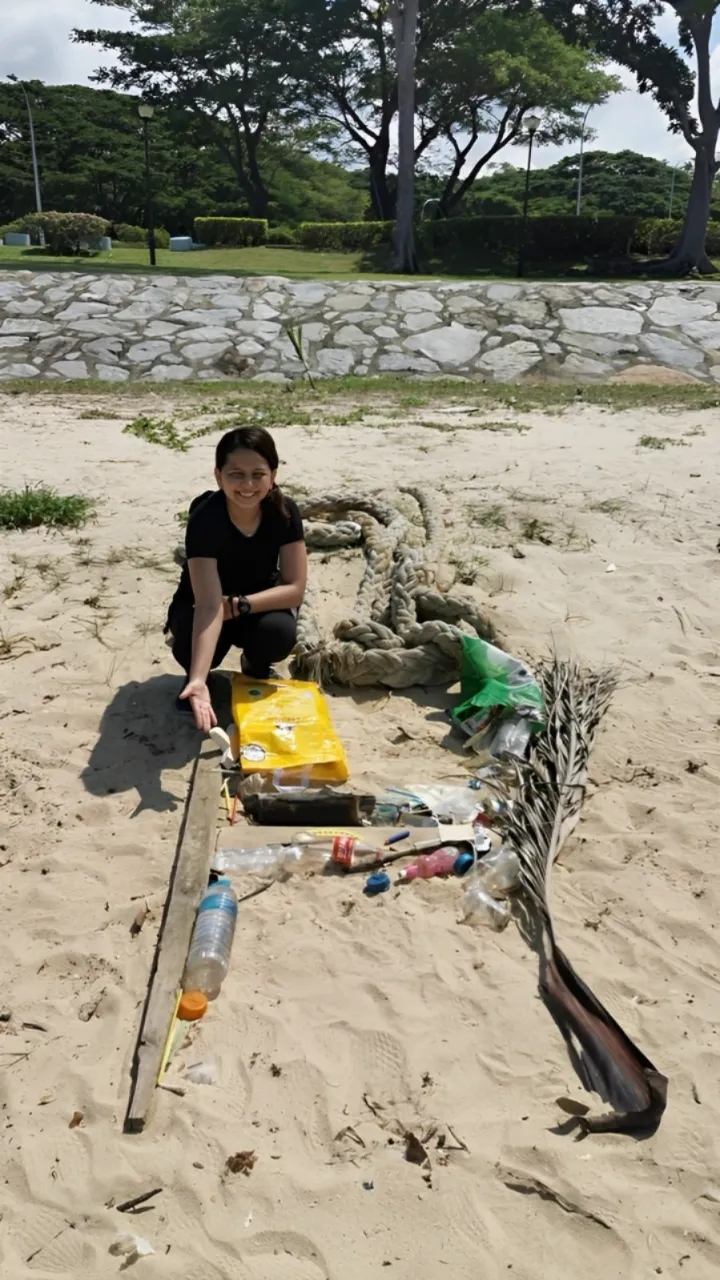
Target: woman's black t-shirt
(245,564)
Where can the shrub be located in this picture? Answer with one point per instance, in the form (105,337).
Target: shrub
(17,225)
(65,233)
(282,235)
(657,236)
(29,508)
(548,238)
(492,206)
(344,235)
(126,233)
(231,232)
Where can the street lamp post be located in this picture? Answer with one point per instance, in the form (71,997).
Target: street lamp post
(580,166)
(146,113)
(672,189)
(532,124)
(33,149)
(432,200)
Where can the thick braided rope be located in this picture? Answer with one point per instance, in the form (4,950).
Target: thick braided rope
(404,630)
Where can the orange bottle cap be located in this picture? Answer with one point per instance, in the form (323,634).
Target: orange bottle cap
(193,1006)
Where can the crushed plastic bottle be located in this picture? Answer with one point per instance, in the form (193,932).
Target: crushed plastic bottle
(512,737)
(449,804)
(500,872)
(492,812)
(479,907)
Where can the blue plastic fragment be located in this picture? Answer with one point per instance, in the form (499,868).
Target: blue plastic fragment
(378,882)
(463,863)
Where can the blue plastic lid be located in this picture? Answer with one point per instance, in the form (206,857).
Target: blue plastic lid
(463,863)
(378,882)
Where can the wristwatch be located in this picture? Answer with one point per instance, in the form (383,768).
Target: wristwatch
(241,606)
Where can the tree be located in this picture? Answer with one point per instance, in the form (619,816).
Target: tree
(620,182)
(233,63)
(477,90)
(352,73)
(90,153)
(479,67)
(625,31)
(405,22)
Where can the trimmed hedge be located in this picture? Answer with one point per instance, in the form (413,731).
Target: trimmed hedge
(65,233)
(283,235)
(548,238)
(127,233)
(233,233)
(480,241)
(344,235)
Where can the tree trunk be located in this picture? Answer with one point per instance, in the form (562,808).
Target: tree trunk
(380,195)
(689,252)
(405,23)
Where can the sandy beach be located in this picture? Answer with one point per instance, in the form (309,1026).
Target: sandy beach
(346,1019)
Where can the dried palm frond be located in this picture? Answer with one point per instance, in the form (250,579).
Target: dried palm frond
(550,792)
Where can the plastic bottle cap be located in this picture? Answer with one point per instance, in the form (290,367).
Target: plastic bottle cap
(193,1006)
(378,882)
(463,863)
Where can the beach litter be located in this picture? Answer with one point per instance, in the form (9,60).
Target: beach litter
(131,1247)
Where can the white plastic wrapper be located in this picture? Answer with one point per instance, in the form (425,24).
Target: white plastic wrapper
(126,1245)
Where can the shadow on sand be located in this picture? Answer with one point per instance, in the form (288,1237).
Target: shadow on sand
(142,736)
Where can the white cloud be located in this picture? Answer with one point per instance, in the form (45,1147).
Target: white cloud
(36,43)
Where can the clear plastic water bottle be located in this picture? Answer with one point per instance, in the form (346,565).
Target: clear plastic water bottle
(209,958)
(500,872)
(479,907)
(268,860)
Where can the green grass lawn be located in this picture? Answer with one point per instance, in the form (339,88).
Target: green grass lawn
(298,264)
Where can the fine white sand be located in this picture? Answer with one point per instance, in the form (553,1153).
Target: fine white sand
(346,1019)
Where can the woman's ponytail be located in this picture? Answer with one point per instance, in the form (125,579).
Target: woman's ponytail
(278,500)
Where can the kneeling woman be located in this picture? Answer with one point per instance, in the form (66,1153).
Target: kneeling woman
(245,572)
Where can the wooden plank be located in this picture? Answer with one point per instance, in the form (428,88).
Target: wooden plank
(188,881)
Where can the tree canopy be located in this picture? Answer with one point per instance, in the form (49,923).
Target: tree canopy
(620,182)
(90,153)
(681,85)
(253,71)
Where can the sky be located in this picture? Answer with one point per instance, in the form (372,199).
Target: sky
(36,44)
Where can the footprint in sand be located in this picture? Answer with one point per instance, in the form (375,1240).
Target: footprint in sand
(275,1255)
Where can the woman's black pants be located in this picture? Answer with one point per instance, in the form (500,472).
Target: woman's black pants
(265,638)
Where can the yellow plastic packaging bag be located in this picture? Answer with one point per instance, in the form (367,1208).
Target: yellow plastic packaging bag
(285,724)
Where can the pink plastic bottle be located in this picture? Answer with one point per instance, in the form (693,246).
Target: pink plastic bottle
(438,863)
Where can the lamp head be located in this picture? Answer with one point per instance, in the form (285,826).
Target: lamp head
(146,111)
(532,124)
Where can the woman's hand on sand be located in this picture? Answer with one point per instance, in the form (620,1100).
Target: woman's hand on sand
(196,692)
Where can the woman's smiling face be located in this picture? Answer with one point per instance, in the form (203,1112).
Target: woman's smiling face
(245,479)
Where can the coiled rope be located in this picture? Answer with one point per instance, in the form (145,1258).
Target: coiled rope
(404,629)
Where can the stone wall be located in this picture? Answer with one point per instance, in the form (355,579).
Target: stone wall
(164,328)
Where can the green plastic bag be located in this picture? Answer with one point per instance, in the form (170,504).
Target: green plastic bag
(493,682)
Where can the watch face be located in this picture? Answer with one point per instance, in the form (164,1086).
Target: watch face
(243,607)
